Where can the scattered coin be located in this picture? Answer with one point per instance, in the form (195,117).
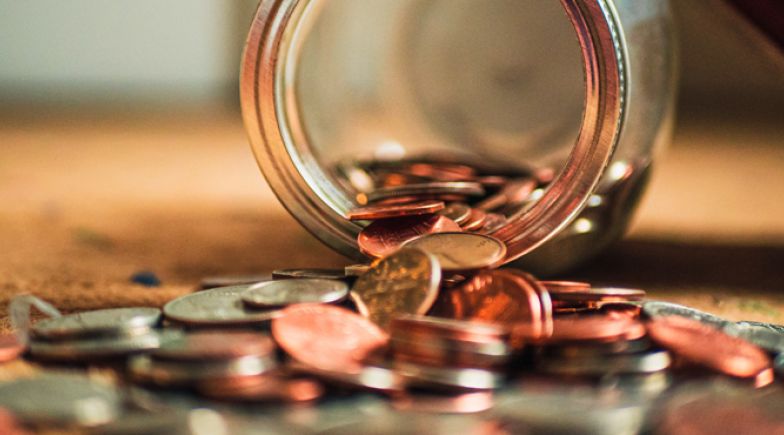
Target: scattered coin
(458,252)
(468,188)
(327,337)
(217,307)
(113,321)
(405,282)
(386,236)
(457,211)
(368,377)
(164,373)
(566,286)
(386,211)
(298,291)
(335,274)
(98,348)
(212,345)
(10,347)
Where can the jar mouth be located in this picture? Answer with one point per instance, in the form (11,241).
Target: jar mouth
(309,190)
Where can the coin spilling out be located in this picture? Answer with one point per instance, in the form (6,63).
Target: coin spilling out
(459,252)
(216,307)
(295,291)
(405,282)
(383,237)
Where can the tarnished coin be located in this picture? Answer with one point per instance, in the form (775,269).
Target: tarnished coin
(327,337)
(99,348)
(61,399)
(216,307)
(708,346)
(112,321)
(655,309)
(212,345)
(386,236)
(636,363)
(386,211)
(457,211)
(146,369)
(265,388)
(232,280)
(458,252)
(10,347)
(596,294)
(468,188)
(405,282)
(295,291)
(281,274)
(444,377)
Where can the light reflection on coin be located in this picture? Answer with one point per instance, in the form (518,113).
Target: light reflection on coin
(216,307)
(405,282)
(295,291)
(457,252)
(384,237)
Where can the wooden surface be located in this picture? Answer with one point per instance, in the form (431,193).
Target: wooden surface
(90,199)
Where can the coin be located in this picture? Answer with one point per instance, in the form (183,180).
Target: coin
(355,270)
(297,291)
(515,191)
(468,188)
(748,324)
(450,328)
(385,211)
(596,294)
(384,237)
(334,274)
(212,345)
(146,369)
(115,321)
(458,252)
(593,349)
(475,221)
(466,403)
(405,282)
(217,307)
(98,348)
(493,222)
(655,309)
(232,280)
(566,286)
(595,329)
(368,377)
(760,334)
(266,388)
(708,346)
(453,378)
(61,399)
(457,211)
(10,347)
(326,337)
(637,363)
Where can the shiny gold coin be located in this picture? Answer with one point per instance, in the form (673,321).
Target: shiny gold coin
(405,282)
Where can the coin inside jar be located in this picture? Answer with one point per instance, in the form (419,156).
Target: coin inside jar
(386,236)
(457,211)
(386,211)
(469,188)
(297,291)
(457,252)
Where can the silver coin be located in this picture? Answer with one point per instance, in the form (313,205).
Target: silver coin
(451,378)
(468,188)
(232,280)
(98,348)
(461,251)
(112,321)
(217,307)
(145,368)
(654,309)
(295,291)
(765,335)
(649,362)
(61,399)
(369,377)
(338,274)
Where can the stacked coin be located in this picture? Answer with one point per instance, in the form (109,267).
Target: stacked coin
(98,334)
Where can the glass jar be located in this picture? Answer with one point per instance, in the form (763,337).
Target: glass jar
(585,87)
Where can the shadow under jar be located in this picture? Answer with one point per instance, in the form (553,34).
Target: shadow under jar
(584,88)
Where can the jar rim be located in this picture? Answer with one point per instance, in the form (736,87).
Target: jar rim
(303,188)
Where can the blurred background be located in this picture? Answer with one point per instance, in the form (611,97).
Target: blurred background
(122,150)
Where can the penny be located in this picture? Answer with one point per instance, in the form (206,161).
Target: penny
(61,399)
(457,211)
(386,236)
(231,280)
(468,188)
(566,286)
(405,282)
(283,274)
(439,351)
(266,388)
(297,291)
(211,345)
(492,223)
(453,378)
(367,377)
(450,328)
(515,191)
(327,337)
(655,309)
(458,252)
(475,220)
(596,294)
(98,348)
(708,346)
(217,307)
(637,363)
(441,171)
(99,322)
(144,368)
(385,211)
(595,329)
(10,347)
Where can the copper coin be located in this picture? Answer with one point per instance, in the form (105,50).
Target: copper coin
(210,345)
(265,388)
(493,296)
(515,191)
(450,328)
(327,337)
(475,221)
(386,236)
(10,347)
(604,294)
(458,252)
(405,282)
(386,211)
(459,212)
(566,286)
(708,346)
(596,329)
(441,171)
(429,190)
(493,222)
